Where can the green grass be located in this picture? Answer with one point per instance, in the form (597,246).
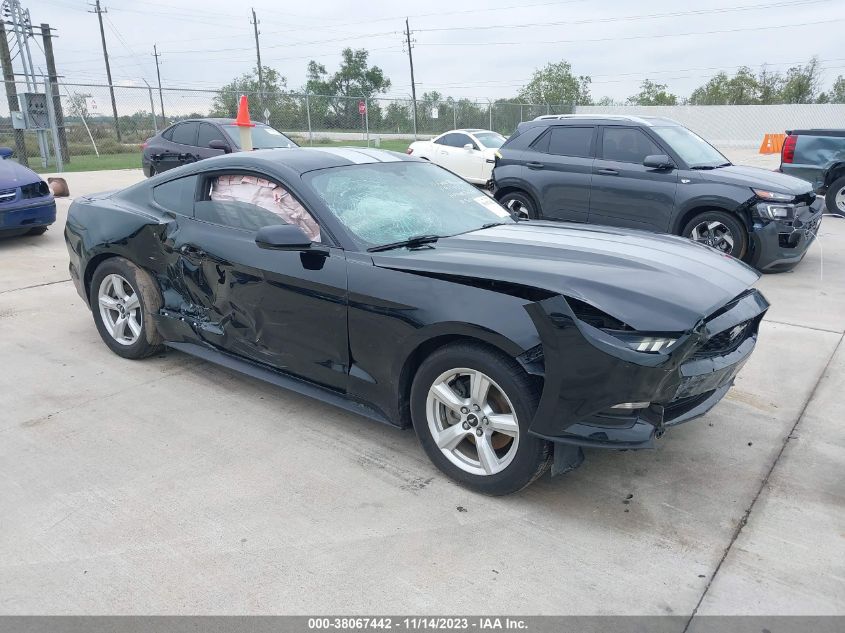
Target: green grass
(132,160)
(126,160)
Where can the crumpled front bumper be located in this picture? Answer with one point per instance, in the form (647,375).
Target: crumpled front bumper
(584,376)
(780,246)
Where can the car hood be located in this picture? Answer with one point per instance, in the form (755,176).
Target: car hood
(758,178)
(652,282)
(14,174)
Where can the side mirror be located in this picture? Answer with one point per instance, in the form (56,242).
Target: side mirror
(469,146)
(658,161)
(218,144)
(6,152)
(282,237)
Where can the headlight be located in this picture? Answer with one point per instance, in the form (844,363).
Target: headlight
(774,196)
(641,343)
(775,211)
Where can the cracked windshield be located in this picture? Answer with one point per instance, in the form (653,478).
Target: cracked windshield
(391,202)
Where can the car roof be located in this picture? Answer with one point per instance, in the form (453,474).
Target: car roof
(305,159)
(219,120)
(648,121)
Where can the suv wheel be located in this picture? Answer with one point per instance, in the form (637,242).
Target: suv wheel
(520,205)
(471,407)
(720,230)
(834,200)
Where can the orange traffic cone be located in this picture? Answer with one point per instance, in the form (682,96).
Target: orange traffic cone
(243,123)
(242,119)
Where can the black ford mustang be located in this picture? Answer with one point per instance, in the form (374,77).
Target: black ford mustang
(394,289)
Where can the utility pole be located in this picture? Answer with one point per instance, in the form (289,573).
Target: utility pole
(11,93)
(54,87)
(99,11)
(258,58)
(156,54)
(413,85)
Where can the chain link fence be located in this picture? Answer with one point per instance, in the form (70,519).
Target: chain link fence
(90,130)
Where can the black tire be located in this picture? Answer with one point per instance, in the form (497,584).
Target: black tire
(732,223)
(38,230)
(837,187)
(532,456)
(520,204)
(149,341)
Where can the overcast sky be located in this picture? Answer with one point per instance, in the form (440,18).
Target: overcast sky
(468,48)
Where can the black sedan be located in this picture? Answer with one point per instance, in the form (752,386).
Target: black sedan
(195,139)
(392,288)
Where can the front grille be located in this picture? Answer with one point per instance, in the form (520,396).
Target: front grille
(727,341)
(7,195)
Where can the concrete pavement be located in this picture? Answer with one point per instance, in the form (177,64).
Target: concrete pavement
(174,486)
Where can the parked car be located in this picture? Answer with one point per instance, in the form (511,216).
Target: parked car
(196,139)
(394,289)
(818,156)
(27,206)
(468,153)
(654,174)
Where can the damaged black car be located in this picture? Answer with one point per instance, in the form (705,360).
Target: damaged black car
(392,288)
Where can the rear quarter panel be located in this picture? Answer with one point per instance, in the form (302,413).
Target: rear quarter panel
(814,155)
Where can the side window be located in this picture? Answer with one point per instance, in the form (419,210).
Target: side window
(168,133)
(248,202)
(568,140)
(463,139)
(207,134)
(448,139)
(542,143)
(627,145)
(177,195)
(185,134)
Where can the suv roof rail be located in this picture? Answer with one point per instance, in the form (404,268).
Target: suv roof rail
(644,120)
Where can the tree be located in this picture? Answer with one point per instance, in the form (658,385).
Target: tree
(837,93)
(802,83)
(652,94)
(607,101)
(354,78)
(556,85)
(769,86)
(285,111)
(741,89)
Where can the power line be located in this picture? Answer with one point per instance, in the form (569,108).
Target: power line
(628,18)
(636,37)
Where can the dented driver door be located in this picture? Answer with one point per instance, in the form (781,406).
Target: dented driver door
(286,309)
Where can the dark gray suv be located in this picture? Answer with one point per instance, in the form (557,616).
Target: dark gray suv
(656,175)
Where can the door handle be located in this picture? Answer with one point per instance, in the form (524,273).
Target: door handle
(607,172)
(534,165)
(190,249)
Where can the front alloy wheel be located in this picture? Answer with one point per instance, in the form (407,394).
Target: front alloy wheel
(715,234)
(471,406)
(472,421)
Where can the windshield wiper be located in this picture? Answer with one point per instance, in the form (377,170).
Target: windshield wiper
(490,225)
(702,167)
(411,242)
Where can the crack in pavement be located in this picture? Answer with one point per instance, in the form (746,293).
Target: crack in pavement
(744,520)
(46,283)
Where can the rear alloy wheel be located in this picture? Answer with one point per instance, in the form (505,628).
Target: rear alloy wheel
(718,230)
(471,407)
(834,200)
(123,300)
(520,205)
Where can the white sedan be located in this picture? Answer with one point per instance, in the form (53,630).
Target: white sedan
(468,153)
